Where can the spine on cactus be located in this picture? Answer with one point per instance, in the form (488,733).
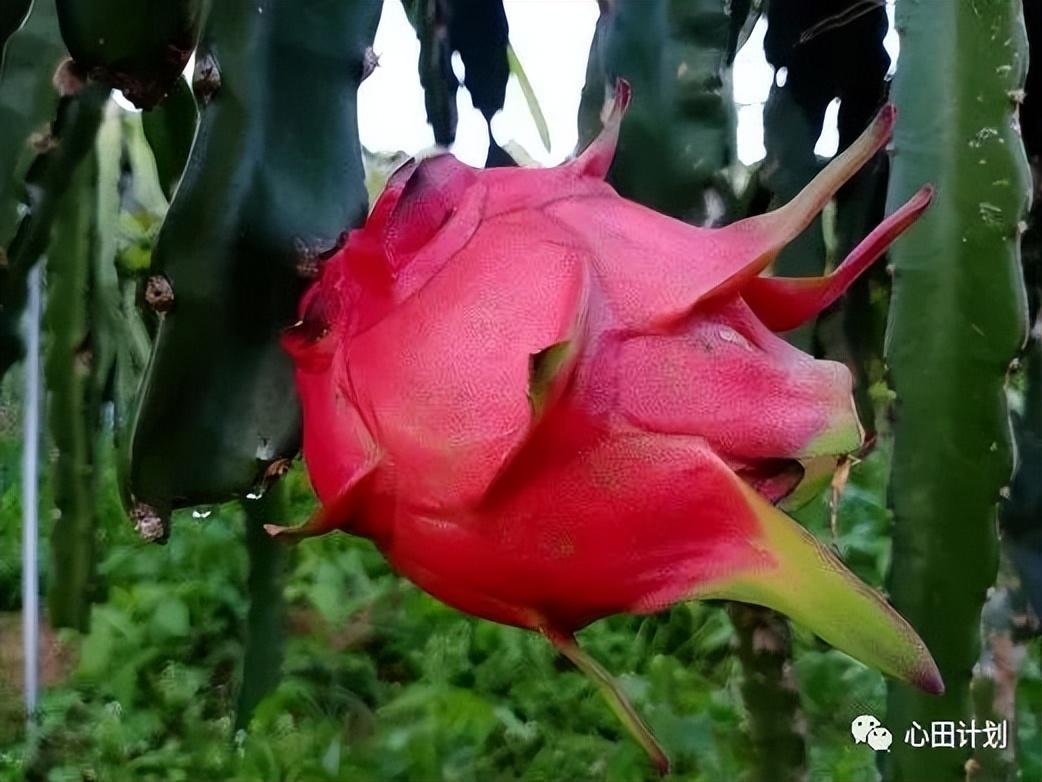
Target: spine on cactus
(275,176)
(72,426)
(957,320)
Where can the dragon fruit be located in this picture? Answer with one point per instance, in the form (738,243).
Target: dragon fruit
(547,404)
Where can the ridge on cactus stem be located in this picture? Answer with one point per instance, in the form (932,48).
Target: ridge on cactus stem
(547,404)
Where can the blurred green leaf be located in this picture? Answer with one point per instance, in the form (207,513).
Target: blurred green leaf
(170,129)
(530,97)
(171,618)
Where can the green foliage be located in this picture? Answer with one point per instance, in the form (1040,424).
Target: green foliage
(381,682)
(518,72)
(10,490)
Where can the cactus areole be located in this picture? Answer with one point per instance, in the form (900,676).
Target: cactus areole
(547,404)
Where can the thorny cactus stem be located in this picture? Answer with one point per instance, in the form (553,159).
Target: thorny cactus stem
(138,48)
(68,141)
(217,405)
(69,368)
(957,320)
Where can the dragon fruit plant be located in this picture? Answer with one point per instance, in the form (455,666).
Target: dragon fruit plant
(544,402)
(547,404)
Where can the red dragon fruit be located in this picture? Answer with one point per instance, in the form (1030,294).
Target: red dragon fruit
(547,404)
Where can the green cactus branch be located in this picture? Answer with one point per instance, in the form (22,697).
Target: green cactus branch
(110,326)
(1021,511)
(255,208)
(138,48)
(680,129)
(435,68)
(72,423)
(12,15)
(27,101)
(1004,623)
(865,306)
(68,142)
(265,631)
(85,330)
(957,320)
(477,30)
(770,695)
